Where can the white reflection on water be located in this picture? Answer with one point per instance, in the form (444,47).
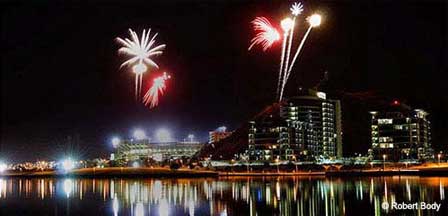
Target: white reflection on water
(442,190)
(139,210)
(232,196)
(68,187)
(2,188)
(163,208)
(115,206)
(408,190)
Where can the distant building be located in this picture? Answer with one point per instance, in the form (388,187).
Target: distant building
(400,133)
(130,150)
(307,127)
(218,134)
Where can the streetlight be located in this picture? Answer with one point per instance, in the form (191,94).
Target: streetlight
(384,162)
(438,156)
(246,158)
(276,161)
(295,161)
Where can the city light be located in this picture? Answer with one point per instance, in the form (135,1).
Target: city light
(68,164)
(221,129)
(190,137)
(314,20)
(163,135)
(135,164)
(115,142)
(3,167)
(139,134)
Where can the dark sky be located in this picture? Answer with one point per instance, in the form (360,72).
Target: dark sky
(61,77)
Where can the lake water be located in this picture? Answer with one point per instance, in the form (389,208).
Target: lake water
(224,196)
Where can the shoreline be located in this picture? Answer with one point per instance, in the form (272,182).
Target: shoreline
(117,172)
(183,173)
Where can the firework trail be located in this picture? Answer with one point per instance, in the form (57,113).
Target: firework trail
(140,50)
(296,9)
(288,51)
(280,71)
(151,97)
(287,25)
(314,21)
(297,52)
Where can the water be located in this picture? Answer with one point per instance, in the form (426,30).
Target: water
(223,196)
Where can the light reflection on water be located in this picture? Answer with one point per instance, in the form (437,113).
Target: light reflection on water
(224,196)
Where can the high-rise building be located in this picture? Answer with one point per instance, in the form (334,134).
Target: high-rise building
(218,134)
(306,127)
(399,133)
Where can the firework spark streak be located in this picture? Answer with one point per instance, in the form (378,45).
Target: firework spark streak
(280,72)
(286,24)
(298,52)
(314,21)
(288,52)
(140,50)
(151,97)
(296,9)
(267,34)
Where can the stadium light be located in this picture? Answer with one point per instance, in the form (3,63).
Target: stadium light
(139,134)
(115,142)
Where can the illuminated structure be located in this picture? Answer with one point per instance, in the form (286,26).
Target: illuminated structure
(132,150)
(218,134)
(400,133)
(308,128)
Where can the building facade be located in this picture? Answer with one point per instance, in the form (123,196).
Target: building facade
(399,133)
(218,134)
(306,128)
(131,150)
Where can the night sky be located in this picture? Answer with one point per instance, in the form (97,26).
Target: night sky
(62,87)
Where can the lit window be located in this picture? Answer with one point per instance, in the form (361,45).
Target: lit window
(398,127)
(384,121)
(386,139)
